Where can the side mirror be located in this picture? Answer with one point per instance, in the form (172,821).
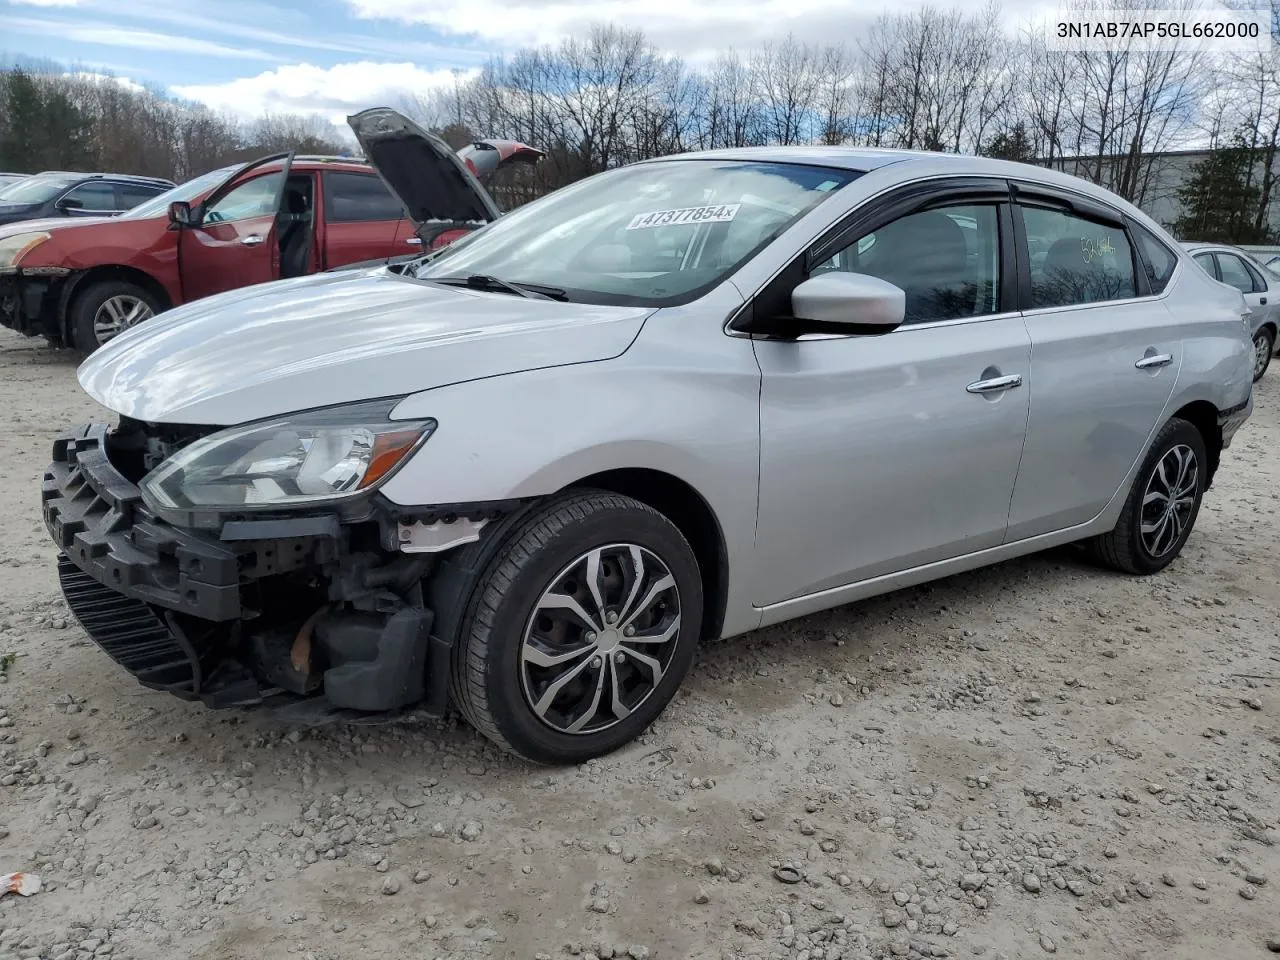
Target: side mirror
(180,214)
(69,203)
(850,303)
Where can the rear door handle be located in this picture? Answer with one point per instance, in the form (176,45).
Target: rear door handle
(1159,360)
(252,240)
(995,384)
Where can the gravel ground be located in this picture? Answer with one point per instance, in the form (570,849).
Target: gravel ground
(1036,758)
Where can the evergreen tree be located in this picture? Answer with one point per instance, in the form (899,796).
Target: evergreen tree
(1219,198)
(1011,144)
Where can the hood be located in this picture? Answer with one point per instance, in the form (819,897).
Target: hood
(431,180)
(334,338)
(49,224)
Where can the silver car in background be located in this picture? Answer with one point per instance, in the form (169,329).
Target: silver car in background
(674,402)
(1261,290)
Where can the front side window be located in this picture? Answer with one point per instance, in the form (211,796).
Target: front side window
(1076,261)
(94,195)
(946,260)
(653,234)
(357,198)
(1235,272)
(1160,260)
(254,198)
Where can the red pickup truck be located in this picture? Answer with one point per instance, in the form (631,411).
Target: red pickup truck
(80,282)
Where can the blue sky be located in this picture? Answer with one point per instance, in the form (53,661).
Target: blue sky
(331,57)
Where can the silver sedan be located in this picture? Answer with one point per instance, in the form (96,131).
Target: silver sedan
(674,402)
(1261,290)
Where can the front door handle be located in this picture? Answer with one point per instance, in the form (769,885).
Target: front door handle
(253,240)
(414,241)
(1158,360)
(995,384)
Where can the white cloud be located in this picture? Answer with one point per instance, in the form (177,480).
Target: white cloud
(332,92)
(691,29)
(113,36)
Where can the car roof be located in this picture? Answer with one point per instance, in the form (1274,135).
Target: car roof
(130,177)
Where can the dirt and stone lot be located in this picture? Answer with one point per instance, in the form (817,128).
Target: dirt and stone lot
(1037,758)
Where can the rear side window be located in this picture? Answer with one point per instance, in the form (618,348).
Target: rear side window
(355,198)
(129,195)
(1237,273)
(1159,259)
(1076,261)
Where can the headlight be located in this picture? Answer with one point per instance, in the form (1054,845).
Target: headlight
(13,249)
(309,458)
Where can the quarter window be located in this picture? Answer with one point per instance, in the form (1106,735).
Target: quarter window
(254,198)
(1235,272)
(1206,263)
(1160,260)
(1075,261)
(95,195)
(946,260)
(355,198)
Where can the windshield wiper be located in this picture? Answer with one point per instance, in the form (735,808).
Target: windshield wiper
(482,281)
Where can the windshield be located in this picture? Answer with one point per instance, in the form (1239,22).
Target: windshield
(653,234)
(186,192)
(35,189)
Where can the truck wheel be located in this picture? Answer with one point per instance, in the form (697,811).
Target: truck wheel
(106,308)
(580,629)
(1162,505)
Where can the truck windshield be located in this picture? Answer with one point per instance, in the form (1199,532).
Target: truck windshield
(652,234)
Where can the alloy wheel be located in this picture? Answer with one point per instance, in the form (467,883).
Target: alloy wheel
(1261,354)
(1169,499)
(600,638)
(117,314)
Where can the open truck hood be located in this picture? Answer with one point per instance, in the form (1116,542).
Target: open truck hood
(332,338)
(435,184)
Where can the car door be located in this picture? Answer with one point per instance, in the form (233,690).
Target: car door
(1239,273)
(234,242)
(362,219)
(883,453)
(93,198)
(1105,354)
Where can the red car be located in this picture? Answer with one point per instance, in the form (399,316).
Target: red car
(80,282)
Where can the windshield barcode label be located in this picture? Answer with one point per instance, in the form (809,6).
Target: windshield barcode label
(713,213)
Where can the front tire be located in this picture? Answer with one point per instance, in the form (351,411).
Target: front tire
(1162,505)
(1264,345)
(582,626)
(106,308)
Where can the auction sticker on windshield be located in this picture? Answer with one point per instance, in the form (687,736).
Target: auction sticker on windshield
(711,213)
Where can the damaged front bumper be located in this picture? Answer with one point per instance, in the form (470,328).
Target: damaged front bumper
(32,301)
(263,612)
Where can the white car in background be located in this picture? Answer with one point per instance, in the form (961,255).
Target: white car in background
(1261,289)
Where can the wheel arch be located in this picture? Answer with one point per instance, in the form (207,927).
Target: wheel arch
(684,506)
(1203,415)
(81,281)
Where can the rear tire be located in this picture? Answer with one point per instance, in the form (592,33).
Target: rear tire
(535,677)
(1162,505)
(106,308)
(1264,345)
